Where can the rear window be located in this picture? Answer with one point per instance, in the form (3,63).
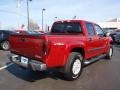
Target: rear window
(66,27)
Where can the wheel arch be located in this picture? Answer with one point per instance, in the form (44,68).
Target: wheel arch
(79,50)
(76,49)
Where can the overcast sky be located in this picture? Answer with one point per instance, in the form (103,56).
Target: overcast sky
(91,10)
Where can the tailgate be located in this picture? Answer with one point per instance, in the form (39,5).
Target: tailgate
(27,45)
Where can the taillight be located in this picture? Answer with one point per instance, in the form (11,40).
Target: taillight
(46,47)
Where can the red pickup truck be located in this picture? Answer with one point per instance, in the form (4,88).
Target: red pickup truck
(70,45)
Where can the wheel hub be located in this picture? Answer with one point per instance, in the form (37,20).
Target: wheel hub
(76,67)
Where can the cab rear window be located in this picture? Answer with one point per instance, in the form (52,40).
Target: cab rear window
(66,27)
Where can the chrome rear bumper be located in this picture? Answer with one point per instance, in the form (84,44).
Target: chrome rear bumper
(33,64)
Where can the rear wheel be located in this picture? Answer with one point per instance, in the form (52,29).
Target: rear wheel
(110,53)
(73,67)
(5,45)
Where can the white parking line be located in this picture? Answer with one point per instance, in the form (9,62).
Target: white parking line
(1,68)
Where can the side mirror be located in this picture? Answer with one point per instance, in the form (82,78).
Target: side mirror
(107,34)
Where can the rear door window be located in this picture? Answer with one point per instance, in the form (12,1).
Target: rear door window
(99,30)
(90,29)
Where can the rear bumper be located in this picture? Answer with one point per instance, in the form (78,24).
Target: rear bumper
(32,64)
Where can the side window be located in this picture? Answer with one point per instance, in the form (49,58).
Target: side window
(99,30)
(90,29)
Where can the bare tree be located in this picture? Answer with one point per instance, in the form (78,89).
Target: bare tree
(33,25)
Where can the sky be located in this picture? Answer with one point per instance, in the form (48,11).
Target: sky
(13,15)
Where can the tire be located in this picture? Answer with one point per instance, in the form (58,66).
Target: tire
(73,67)
(110,53)
(5,45)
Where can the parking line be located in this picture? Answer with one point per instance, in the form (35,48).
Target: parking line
(6,66)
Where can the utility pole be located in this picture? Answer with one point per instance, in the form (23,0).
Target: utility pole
(28,15)
(42,17)
(28,19)
(18,6)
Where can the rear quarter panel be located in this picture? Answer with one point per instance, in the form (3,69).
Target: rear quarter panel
(61,47)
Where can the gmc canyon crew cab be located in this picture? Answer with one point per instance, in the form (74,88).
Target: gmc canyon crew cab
(70,45)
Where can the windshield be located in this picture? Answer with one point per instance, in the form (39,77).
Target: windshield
(66,27)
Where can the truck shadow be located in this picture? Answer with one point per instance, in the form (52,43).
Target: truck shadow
(31,76)
(1,48)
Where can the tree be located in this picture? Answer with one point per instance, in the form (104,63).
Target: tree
(33,25)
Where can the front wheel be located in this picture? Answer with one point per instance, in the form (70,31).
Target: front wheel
(5,45)
(110,53)
(73,66)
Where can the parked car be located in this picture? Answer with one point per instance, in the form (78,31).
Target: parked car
(113,35)
(69,46)
(117,38)
(28,32)
(4,39)
(20,31)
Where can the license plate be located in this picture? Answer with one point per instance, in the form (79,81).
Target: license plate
(24,60)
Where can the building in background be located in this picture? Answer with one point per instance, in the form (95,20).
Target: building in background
(110,24)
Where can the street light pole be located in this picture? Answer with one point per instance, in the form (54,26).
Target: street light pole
(42,17)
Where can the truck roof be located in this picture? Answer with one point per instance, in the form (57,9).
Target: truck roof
(72,21)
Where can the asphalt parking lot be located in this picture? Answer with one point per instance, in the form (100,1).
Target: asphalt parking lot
(101,75)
